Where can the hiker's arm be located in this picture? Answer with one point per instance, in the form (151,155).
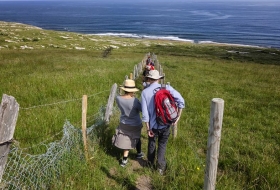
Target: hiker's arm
(150,131)
(179,115)
(145,113)
(147,126)
(177,97)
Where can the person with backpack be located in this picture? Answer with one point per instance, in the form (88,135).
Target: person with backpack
(158,133)
(128,133)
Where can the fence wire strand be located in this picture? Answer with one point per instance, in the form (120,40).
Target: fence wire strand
(66,101)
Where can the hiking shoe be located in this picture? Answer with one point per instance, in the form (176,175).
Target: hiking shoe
(160,171)
(140,155)
(123,163)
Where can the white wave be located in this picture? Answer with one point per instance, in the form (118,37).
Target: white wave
(218,43)
(126,35)
(173,38)
(118,34)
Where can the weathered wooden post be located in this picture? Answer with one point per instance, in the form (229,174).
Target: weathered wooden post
(161,71)
(140,68)
(8,117)
(110,103)
(130,76)
(213,144)
(143,63)
(162,81)
(84,124)
(159,68)
(134,72)
(174,131)
(156,64)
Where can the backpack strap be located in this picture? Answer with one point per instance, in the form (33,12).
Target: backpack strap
(156,89)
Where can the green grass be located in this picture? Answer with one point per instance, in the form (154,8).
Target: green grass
(248,82)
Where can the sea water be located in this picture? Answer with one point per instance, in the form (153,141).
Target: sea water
(246,23)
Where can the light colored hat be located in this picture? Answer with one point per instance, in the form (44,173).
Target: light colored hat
(129,86)
(154,74)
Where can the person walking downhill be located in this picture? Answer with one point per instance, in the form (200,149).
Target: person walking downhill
(145,72)
(157,134)
(128,132)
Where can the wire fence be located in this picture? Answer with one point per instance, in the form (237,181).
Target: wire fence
(26,171)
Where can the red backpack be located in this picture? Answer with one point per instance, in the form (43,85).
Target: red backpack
(165,107)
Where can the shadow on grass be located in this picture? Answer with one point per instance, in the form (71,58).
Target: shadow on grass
(124,181)
(105,134)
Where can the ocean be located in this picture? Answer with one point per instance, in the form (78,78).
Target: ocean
(244,23)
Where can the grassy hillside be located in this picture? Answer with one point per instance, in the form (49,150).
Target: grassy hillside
(40,67)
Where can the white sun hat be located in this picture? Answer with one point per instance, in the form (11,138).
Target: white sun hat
(154,74)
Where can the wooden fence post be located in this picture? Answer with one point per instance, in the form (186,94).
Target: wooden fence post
(110,103)
(8,117)
(140,68)
(159,68)
(135,72)
(84,124)
(156,65)
(162,81)
(174,131)
(130,76)
(213,144)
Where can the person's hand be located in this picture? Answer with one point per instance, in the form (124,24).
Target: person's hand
(151,133)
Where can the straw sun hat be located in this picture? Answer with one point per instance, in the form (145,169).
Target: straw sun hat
(129,86)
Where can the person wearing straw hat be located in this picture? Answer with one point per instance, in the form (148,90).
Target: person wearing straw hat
(157,134)
(128,133)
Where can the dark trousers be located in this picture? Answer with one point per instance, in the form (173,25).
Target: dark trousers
(161,137)
(138,146)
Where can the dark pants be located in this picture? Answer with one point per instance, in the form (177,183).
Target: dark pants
(161,137)
(138,146)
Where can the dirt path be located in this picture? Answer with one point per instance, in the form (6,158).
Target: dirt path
(143,182)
